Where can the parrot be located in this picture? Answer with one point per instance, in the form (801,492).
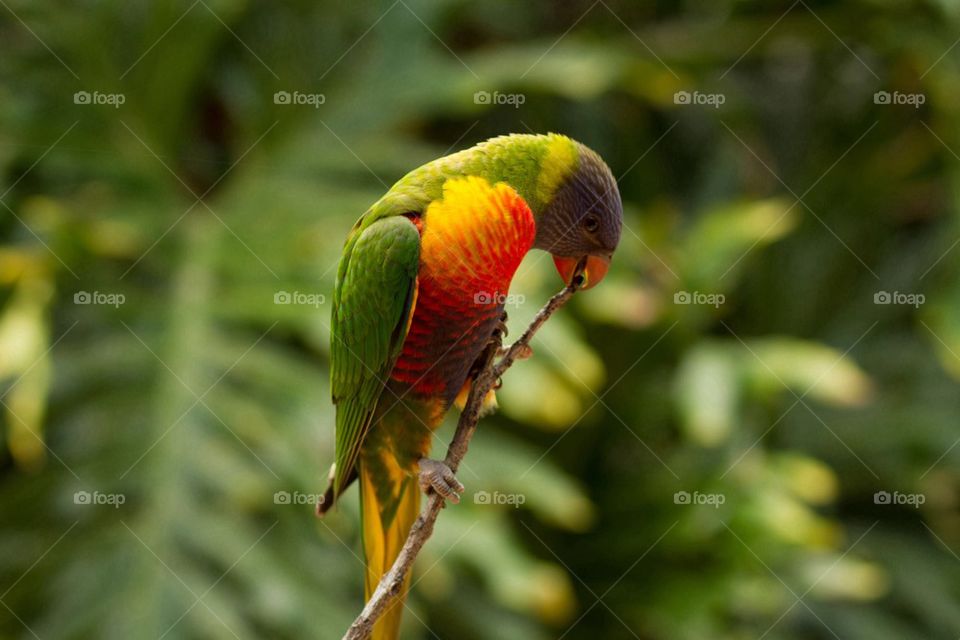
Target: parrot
(420,290)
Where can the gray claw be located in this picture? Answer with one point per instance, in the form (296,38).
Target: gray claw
(501,327)
(436,476)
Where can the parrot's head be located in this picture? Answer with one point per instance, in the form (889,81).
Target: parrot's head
(583,215)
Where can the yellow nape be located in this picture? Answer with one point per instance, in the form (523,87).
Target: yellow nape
(558,163)
(472,197)
(489,401)
(477,230)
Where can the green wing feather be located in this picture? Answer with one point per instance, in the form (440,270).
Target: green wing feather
(372,305)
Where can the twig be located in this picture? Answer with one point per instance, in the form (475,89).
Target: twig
(391,584)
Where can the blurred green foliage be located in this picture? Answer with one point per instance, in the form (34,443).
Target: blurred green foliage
(688,471)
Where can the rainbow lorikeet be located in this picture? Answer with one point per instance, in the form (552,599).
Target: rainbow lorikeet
(420,290)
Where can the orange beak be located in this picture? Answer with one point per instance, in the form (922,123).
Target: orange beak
(593,273)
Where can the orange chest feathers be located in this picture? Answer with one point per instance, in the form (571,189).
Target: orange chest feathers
(472,242)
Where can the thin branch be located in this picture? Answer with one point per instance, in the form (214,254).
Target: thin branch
(391,584)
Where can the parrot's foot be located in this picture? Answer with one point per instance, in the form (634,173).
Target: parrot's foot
(501,328)
(436,476)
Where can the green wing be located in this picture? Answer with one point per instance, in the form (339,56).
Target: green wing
(372,305)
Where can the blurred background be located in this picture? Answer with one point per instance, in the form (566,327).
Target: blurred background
(749,431)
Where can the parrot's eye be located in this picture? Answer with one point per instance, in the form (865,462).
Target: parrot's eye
(591,223)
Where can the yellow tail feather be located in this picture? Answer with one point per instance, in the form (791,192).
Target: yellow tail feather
(388,511)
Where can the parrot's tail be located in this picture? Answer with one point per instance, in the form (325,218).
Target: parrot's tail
(388,510)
